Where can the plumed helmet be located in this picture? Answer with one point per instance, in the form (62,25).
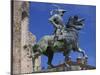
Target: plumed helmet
(58,10)
(61,11)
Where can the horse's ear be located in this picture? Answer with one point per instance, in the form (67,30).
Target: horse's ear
(68,21)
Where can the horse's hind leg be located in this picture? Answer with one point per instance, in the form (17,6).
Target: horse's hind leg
(50,56)
(67,58)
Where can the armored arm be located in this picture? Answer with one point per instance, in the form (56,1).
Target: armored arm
(52,20)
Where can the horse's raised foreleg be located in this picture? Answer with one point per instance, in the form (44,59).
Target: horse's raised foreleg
(50,57)
(49,54)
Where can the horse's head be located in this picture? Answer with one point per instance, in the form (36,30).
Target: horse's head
(75,22)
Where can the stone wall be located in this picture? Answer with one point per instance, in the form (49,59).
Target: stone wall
(22,39)
(37,61)
(16,52)
(26,62)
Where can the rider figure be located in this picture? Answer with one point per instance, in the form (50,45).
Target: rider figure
(57,22)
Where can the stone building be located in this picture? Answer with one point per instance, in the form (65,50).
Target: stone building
(22,40)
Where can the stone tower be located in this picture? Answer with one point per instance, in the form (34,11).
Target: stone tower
(22,39)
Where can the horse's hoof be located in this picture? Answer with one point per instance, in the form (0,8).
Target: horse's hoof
(50,66)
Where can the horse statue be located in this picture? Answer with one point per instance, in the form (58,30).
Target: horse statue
(68,42)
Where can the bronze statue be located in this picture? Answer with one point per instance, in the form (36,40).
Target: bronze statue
(67,38)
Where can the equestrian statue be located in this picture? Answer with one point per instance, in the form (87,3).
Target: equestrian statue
(64,38)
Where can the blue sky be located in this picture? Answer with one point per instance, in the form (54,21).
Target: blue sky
(39,25)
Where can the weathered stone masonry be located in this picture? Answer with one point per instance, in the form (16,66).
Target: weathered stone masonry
(23,40)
